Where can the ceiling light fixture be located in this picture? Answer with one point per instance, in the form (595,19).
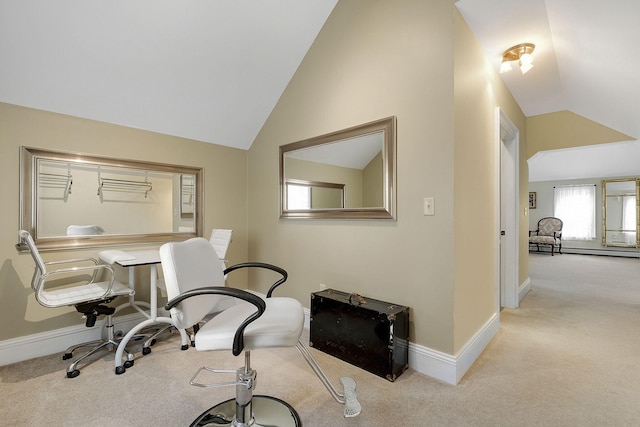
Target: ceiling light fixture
(521,53)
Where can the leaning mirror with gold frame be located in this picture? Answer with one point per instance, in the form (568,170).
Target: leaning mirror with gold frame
(621,206)
(72,200)
(348,174)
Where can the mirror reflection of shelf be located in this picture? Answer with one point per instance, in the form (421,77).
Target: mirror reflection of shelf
(123,186)
(54,180)
(187,194)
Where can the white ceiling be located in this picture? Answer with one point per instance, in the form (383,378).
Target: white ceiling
(354,153)
(213,70)
(201,69)
(586,61)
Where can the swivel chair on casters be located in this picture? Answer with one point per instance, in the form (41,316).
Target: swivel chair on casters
(69,286)
(253,323)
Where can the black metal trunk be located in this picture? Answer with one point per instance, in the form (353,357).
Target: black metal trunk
(370,334)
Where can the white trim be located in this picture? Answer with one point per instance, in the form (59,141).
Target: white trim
(524,289)
(58,340)
(446,367)
(507,297)
(603,252)
(433,363)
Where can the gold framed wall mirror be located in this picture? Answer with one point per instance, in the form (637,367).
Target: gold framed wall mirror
(347,174)
(620,209)
(73,200)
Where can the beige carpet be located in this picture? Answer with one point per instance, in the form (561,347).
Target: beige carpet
(567,357)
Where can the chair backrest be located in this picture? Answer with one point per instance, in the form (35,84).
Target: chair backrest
(40,267)
(187,265)
(549,225)
(220,239)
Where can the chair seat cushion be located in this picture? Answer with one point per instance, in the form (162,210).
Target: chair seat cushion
(85,293)
(544,240)
(279,326)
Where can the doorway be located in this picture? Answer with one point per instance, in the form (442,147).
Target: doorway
(508,189)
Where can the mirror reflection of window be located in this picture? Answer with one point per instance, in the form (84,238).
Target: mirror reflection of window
(360,158)
(629,213)
(303,194)
(298,196)
(355,161)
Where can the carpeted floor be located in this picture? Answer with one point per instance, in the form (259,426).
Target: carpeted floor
(567,357)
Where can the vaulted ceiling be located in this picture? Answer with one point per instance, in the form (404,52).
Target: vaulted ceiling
(214,70)
(209,70)
(585,62)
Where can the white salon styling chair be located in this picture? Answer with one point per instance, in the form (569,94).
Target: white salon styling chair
(82,283)
(194,285)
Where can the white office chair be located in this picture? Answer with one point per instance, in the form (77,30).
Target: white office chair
(195,285)
(221,239)
(77,284)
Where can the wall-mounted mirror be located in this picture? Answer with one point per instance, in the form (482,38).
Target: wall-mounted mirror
(71,200)
(348,174)
(620,212)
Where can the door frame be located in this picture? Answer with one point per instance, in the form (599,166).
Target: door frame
(507,186)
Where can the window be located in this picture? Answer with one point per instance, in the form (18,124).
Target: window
(575,205)
(298,196)
(303,194)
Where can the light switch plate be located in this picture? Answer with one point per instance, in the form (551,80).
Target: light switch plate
(429,208)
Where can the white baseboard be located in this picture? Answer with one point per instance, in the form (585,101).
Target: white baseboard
(45,343)
(524,289)
(631,253)
(433,363)
(451,368)
(443,366)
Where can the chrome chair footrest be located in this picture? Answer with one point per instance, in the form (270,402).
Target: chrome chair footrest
(235,382)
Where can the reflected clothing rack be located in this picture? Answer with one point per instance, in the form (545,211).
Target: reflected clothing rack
(123,186)
(54,180)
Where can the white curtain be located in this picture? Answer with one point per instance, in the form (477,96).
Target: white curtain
(575,205)
(629,213)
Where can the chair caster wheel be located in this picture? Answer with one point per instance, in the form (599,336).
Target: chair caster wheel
(73,373)
(67,356)
(146,350)
(184,347)
(120,370)
(128,364)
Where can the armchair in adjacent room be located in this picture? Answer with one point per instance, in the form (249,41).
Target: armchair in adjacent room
(549,233)
(194,285)
(82,283)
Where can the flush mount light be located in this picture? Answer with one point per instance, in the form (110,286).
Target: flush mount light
(521,53)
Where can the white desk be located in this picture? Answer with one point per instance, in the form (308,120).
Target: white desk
(152,259)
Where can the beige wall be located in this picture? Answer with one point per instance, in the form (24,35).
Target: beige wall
(564,129)
(225,198)
(373,183)
(372,60)
(478,91)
